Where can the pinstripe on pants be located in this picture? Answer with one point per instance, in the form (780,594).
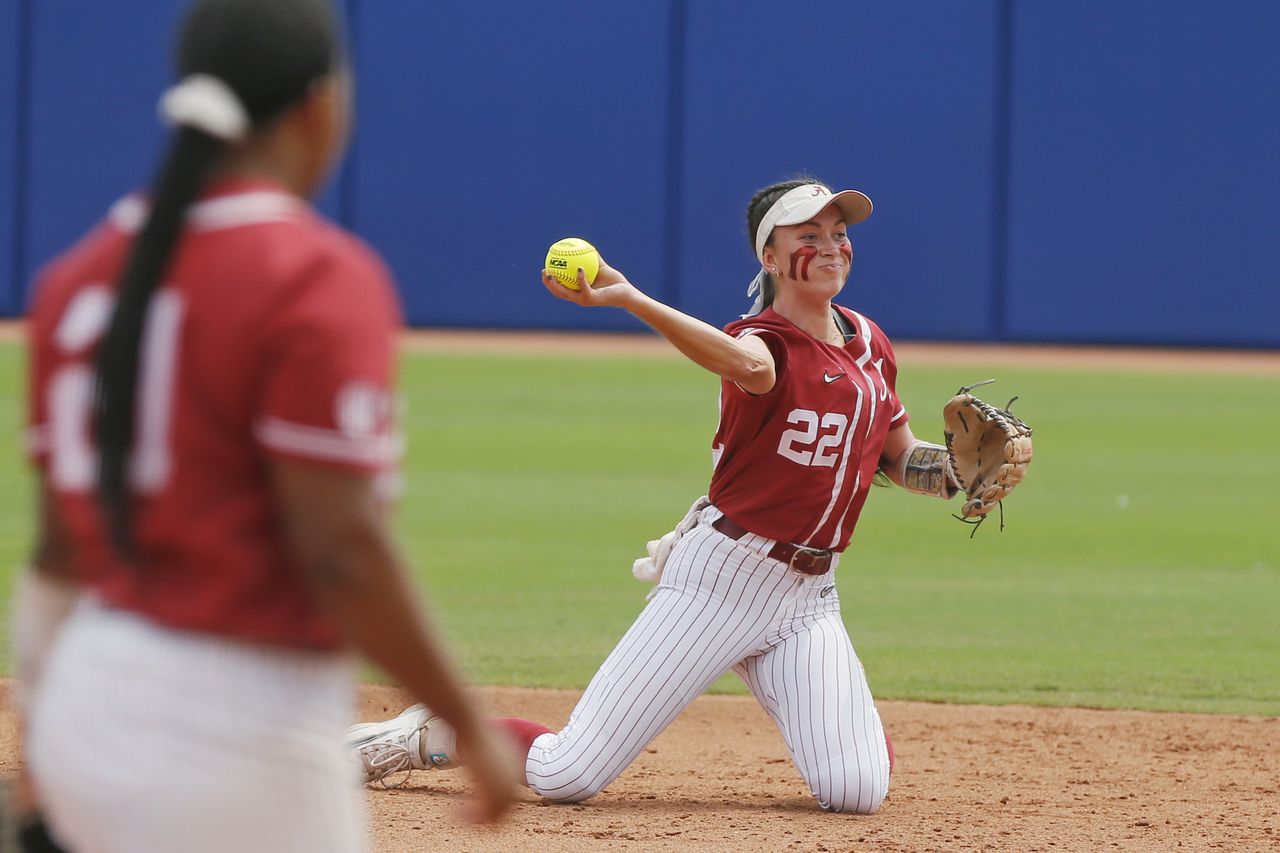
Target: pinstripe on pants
(721,605)
(144,739)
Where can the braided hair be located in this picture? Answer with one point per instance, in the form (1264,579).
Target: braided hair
(261,57)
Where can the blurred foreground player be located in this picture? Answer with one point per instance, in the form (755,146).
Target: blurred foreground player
(211,419)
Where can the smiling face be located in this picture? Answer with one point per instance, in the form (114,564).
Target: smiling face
(813,258)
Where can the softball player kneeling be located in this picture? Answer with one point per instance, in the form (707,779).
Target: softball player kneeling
(746,582)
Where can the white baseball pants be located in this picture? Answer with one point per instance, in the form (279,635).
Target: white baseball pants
(724,604)
(146,739)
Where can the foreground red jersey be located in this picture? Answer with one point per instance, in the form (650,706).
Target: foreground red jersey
(795,464)
(272,334)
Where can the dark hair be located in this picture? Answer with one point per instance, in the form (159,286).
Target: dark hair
(270,53)
(757,208)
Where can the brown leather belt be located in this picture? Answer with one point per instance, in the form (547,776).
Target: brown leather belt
(800,558)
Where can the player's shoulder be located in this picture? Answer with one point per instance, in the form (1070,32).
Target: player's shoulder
(337,246)
(865,326)
(286,235)
(287,247)
(91,261)
(767,320)
(318,275)
(335,265)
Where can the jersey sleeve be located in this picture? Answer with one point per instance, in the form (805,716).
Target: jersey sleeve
(328,390)
(777,347)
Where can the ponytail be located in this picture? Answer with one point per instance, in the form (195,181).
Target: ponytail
(187,165)
(241,63)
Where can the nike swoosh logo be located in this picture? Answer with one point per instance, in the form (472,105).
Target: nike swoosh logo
(829,379)
(826,591)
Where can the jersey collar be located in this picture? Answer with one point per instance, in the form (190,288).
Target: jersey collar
(228,203)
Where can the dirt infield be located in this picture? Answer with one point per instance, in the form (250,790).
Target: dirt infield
(968,778)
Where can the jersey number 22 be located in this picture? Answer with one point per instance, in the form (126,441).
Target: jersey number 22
(816,441)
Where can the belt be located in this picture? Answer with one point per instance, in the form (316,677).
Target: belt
(800,558)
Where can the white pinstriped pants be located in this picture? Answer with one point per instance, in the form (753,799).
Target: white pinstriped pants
(721,605)
(145,739)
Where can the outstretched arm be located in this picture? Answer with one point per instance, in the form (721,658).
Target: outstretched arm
(336,525)
(746,361)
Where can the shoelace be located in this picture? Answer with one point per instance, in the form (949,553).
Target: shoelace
(383,759)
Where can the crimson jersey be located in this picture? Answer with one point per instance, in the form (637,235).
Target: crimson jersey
(795,464)
(272,335)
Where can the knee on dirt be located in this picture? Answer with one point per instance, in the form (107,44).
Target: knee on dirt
(575,793)
(851,788)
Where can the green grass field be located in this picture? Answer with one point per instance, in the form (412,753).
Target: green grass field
(1140,566)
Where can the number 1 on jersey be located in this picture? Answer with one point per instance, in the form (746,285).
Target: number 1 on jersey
(73,462)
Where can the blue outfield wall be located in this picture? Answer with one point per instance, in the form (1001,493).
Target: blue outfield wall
(483,138)
(1144,201)
(12,26)
(1088,172)
(893,99)
(91,129)
(92,132)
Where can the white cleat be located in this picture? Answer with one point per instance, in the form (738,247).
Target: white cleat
(401,744)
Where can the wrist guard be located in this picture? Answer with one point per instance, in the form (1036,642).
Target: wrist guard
(926,470)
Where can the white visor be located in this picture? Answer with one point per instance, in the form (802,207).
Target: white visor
(804,203)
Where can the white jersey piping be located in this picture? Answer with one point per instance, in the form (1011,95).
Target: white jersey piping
(327,444)
(865,330)
(215,214)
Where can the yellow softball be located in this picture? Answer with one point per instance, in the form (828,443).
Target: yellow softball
(567,256)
